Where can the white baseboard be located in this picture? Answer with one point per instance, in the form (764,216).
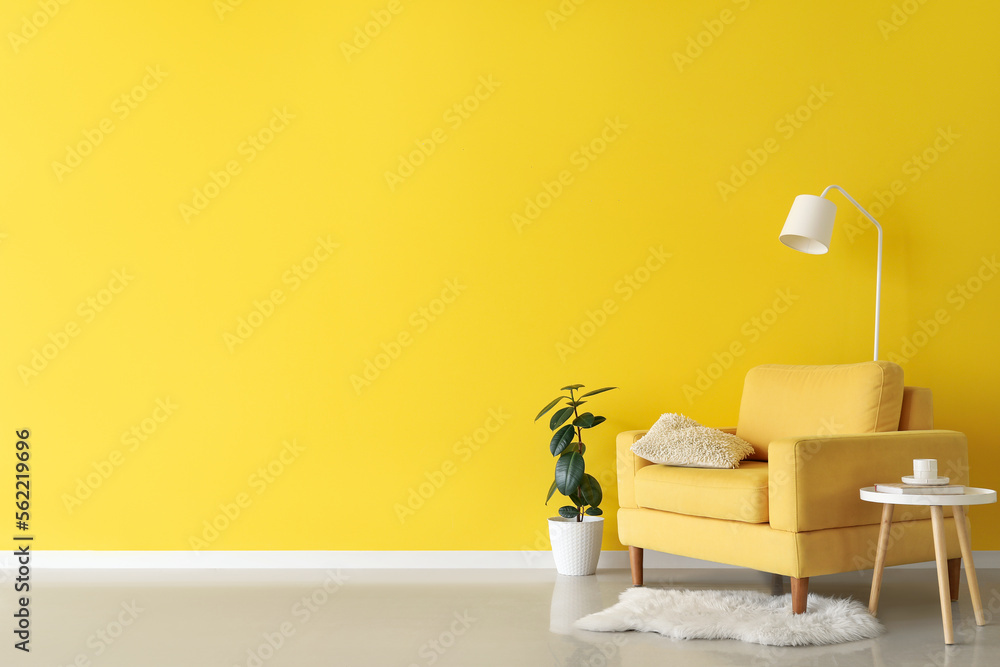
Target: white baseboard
(374,560)
(399,560)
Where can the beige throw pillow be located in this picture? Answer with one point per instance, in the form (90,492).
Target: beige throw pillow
(676,440)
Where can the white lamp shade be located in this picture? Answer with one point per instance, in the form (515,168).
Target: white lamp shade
(809,225)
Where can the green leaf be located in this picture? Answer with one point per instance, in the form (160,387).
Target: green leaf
(549,407)
(552,489)
(577,500)
(569,512)
(597,391)
(590,491)
(586,420)
(570,387)
(598,420)
(594,511)
(560,439)
(559,417)
(569,472)
(577,447)
(576,404)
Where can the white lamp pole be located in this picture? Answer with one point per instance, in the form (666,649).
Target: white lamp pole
(809,227)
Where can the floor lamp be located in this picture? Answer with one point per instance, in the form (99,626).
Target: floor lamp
(809,227)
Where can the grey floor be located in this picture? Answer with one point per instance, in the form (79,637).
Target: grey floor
(434,617)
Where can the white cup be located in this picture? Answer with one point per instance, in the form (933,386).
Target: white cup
(925,469)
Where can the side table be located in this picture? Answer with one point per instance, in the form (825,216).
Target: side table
(937,503)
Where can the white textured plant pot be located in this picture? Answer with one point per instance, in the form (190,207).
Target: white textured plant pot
(576,546)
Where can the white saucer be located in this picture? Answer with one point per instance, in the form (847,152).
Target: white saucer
(934,481)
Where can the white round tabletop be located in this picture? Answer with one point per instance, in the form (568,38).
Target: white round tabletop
(972,496)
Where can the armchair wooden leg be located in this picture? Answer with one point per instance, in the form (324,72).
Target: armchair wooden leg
(954,574)
(800,592)
(635,562)
(777,584)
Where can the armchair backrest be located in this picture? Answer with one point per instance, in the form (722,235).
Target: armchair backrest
(917,413)
(786,401)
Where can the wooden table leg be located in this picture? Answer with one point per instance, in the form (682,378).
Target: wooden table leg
(954,576)
(883,546)
(941,556)
(970,569)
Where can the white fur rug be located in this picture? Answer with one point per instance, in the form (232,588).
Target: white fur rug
(749,616)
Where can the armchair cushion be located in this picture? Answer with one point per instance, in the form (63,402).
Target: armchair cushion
(785,401)
(676,440)
(733,494)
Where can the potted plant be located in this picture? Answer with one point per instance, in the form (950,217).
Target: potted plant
(576,533)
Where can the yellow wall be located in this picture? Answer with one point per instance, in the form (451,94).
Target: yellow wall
(235,161)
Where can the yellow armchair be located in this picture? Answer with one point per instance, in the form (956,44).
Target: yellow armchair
(820,433)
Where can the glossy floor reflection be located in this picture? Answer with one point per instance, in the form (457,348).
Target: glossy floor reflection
(464,617)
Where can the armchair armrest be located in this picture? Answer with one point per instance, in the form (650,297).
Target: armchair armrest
(813,481)
(627,465)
